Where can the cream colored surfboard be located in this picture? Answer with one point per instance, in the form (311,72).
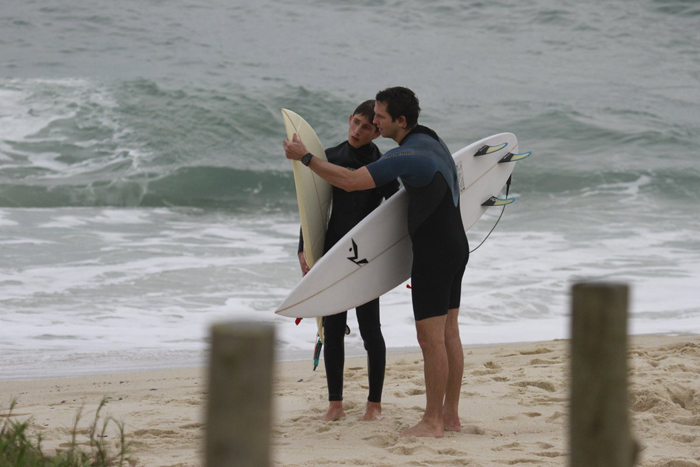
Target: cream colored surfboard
(314,194)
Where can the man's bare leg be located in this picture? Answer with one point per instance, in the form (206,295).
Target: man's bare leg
(335,411)
(431,337)
(455,361)
(373,412)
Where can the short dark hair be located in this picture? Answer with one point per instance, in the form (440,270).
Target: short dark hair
(366,109)
(401,101)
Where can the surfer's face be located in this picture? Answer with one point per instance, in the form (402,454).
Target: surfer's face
(388,127)
(361,131)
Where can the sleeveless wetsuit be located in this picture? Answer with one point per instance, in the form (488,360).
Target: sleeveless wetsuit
(440,247)
(349,208)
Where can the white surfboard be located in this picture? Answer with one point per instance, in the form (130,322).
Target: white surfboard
(375,256)
(314,195)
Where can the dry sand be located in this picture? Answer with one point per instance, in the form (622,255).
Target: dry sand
(513,409)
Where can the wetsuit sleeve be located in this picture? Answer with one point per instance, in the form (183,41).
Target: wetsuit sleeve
(414,170)
(384,171)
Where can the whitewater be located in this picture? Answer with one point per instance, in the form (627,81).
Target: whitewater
(144,194)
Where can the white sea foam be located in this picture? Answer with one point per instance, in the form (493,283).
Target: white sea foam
(152,282)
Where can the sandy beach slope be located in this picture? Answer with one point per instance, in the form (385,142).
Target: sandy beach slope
(513,409)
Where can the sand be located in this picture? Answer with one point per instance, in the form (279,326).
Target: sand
(513,409)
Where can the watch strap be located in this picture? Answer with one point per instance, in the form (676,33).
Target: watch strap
(306,159)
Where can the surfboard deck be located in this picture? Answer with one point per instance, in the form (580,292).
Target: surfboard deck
(375,256)
(314,194)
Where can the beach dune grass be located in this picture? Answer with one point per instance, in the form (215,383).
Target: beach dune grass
(20,448)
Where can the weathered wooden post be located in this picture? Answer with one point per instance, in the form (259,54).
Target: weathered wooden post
(239,413)
(599,423)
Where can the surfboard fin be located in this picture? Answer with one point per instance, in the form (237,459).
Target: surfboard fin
(510,157)
(317,352)
(493,201)
(486,149)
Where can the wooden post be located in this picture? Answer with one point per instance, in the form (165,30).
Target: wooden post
(239,413)
(599,422)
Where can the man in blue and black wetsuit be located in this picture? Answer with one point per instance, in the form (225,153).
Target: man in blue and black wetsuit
(440,248)
(349,208)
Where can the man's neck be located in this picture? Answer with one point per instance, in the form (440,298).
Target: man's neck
(401,135)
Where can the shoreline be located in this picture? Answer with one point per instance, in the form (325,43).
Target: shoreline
(199,359)
(513,408)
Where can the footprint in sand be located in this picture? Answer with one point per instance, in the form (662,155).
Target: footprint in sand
(546,385)
(472,430)
(324,428)
(382,441)
(543,362)
(508,447)
(646,400)
(683,397)
(451,452)
(406,450)
(523,461)
(548,454)
(538,351)
(153,433)
(687,421)
(556,416)
(678,463)
(685,438)
(192,426)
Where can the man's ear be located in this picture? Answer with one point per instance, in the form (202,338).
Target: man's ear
(377,134)
(402,122)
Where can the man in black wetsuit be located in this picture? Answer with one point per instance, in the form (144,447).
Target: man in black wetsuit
(347,211)
(439,244)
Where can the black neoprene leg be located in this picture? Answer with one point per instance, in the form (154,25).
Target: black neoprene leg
(371,332)
(334,353)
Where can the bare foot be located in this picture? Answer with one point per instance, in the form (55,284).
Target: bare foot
(335,412)
(425,430)
(451,423)
(373,412)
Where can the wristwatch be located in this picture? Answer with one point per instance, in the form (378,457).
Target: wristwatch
(306,159)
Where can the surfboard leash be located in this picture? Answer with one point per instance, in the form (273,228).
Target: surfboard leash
(497,220)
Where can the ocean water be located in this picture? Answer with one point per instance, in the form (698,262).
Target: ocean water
(144,194)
